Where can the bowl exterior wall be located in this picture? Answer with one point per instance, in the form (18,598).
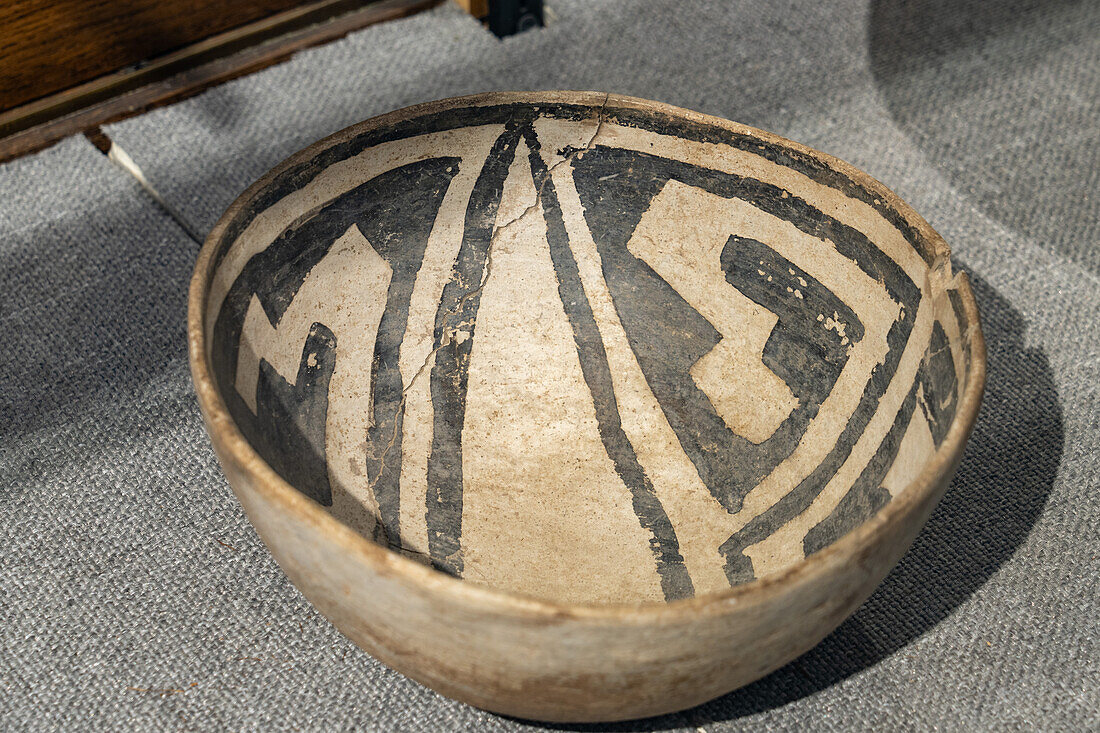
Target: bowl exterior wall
(570,667)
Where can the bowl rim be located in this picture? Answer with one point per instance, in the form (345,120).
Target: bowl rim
(850,548)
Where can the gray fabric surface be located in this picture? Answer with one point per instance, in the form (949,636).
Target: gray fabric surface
(133,592)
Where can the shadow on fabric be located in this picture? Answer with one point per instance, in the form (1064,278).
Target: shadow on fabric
(1002,97)
(984,516)
(114,323)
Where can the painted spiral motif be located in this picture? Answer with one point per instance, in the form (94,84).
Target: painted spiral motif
(592,353)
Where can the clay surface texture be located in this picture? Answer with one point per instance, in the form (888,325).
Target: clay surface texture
(582,349)
(582,354)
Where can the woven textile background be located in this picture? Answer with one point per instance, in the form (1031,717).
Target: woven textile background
(133,591)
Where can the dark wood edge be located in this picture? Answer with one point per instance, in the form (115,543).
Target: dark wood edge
(190,70)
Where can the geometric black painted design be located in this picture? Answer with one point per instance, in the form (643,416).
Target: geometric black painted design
(816,330)
(935,393)
(394,212)
(288,429)
(669,336)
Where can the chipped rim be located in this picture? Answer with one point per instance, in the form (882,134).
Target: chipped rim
(384,561)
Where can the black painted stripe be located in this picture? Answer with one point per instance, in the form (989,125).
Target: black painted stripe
(302,174)
(866,496)
(675,580)
(457,312)
(400,236)
(939,380)
(959,308)
(936,394)
(738,566)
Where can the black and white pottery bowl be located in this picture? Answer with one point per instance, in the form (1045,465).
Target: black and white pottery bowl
(581,407)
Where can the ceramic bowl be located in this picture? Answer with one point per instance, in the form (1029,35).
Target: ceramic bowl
(579,407)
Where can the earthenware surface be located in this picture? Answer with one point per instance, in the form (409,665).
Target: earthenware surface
(583,350)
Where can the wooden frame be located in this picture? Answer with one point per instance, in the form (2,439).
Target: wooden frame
(186,72)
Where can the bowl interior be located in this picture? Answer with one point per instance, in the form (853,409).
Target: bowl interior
(584,348)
